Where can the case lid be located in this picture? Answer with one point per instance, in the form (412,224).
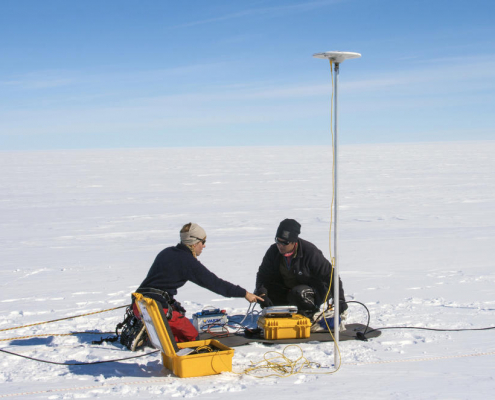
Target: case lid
(157,325)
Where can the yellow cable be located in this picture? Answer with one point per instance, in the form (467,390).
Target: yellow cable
(288,367)
(282,365)
(63,319)
(332,259)
(333,169)
(207,348)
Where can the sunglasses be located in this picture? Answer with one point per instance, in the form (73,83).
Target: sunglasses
(201,240)
(282,242)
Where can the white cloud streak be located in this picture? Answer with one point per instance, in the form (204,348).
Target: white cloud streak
(265,11)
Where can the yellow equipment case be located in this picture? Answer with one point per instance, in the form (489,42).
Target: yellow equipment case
(294,327)
(187,359)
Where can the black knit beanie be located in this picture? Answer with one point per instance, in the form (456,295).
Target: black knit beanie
(289,229)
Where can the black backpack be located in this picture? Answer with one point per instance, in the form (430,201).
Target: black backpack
(132,332)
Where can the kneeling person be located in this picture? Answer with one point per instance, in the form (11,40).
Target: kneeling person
(295,272)
(176,265)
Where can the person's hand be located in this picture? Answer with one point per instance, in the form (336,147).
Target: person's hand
(267,302)
(252,298)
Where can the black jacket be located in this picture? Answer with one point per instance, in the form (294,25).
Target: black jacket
(174,266)
(309,267)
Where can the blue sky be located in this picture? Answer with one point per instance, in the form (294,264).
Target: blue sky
(112,74)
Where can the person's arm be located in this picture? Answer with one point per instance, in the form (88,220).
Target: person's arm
(207,279)
(202,276)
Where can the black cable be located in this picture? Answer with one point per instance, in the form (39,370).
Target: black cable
(82,363)
(362,335)
(367,310)
(432,329)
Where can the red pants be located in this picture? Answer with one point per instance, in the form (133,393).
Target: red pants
(181,327)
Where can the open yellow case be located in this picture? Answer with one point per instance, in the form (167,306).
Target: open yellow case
(184,359)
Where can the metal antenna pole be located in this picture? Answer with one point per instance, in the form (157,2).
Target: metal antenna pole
(336,281)
(336,57)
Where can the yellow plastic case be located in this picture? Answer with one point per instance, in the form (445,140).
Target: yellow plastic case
(294,327)
(184,366)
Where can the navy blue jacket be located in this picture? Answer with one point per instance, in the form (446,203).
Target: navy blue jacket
(174,266)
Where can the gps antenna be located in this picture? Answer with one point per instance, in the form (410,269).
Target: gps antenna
(336,58)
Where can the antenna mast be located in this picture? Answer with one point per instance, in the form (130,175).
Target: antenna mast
(336,58)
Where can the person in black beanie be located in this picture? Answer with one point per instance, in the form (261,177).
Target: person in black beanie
(295,272)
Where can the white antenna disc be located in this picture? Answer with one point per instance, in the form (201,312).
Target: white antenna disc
(337,56)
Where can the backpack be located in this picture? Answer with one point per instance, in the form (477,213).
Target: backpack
(132,331)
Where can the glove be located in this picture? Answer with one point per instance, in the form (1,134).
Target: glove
(266,301)
(263,293)
(260,291)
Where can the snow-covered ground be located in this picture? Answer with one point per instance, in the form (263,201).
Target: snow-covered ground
(79,230)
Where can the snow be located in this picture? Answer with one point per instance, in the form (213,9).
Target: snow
(417,226)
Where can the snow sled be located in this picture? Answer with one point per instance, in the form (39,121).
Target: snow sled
(186,359)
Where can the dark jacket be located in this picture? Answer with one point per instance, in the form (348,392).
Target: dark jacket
(174,266)
(309,267)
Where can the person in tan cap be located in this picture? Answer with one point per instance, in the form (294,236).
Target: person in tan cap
(176,265)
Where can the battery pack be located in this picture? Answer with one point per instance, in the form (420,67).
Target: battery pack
(210,320)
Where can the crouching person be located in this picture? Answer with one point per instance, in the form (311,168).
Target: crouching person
(295,272)
(172,268)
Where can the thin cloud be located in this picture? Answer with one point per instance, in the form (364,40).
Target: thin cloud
(38,82)
(51,79)
(266,11)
